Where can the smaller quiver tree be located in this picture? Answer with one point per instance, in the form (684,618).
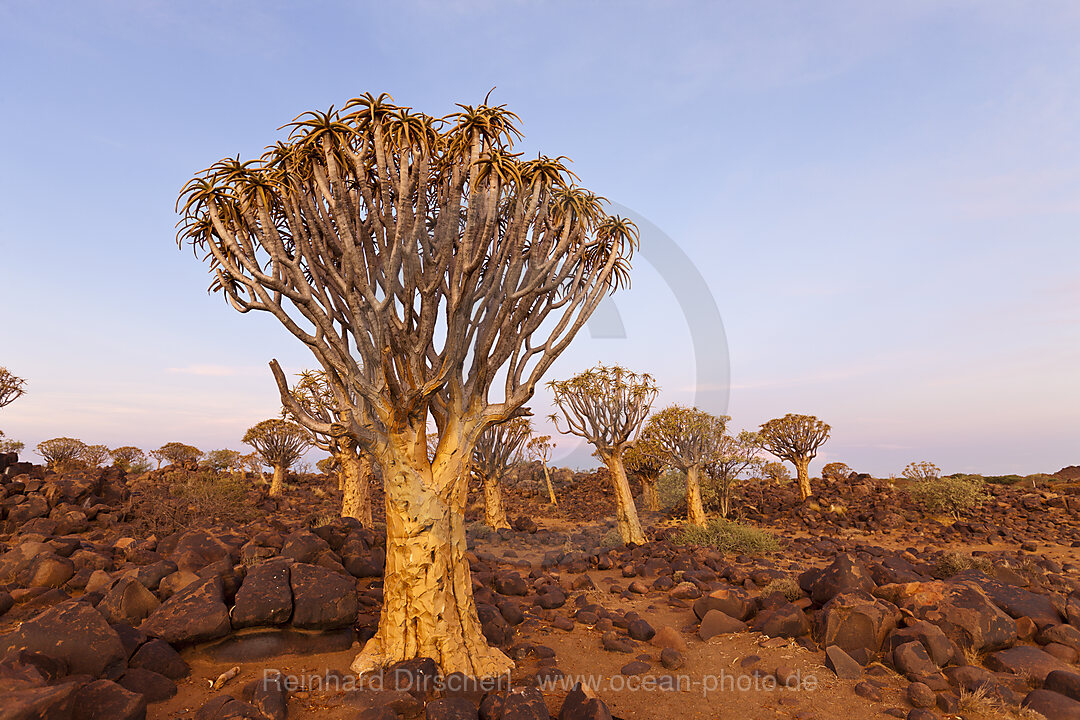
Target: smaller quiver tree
(922,471)
(127,457)
(835,471)
(685,438)
(12,387)
(61,453)
(539,448)
(9,445)
(796,438)
(498,448)
(279,443)
(647,468)
(606,405)
(224,460)
(176,453)
(94,455)
(314,395)
(735,455)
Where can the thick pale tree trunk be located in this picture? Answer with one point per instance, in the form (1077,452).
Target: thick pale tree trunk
(428,608)
(695,511)
(802,468)
(725,498)
(550,487)
(625,511)
(354,471)
(277,484)
(651,493)
(494,512)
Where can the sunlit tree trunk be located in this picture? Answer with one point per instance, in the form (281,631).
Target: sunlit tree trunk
(277,484)
(494,512)
(695,511)
(354,473)
(625,511)
(550,487)
(428,607)
(802,468)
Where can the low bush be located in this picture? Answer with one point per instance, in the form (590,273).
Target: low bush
(186,499)
(671,487)
(953,563)
(728,536)
(786,586)
(953,494)
(611,539)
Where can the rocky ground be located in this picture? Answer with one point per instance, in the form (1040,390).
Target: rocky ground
(122,598)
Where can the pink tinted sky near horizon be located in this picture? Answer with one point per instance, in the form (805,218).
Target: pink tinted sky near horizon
(884,202)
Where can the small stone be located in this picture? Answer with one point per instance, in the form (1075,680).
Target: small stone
(841,663)
(717,623)
(921,696)
(637,667)
(868,691)
(671,658)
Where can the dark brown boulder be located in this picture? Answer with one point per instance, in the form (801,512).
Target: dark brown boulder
(265,598)
(105,700)
(195,614)
(75,633)
(857,621)
(844,575)
(322,599)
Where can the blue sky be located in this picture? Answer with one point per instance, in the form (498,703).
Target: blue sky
(882,198)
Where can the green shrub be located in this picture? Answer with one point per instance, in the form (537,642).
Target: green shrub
(953,494)
(728,536)
(1003,479)
(611,539)
(786,586)
(671,487)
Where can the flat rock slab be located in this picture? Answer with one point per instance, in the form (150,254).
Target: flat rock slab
(195,614)
(1025,661)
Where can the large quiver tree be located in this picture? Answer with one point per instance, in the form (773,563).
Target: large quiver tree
(685,438)
(280,443)
(796,438)
(422,264)
(606,405)
(315,397)
(498,448)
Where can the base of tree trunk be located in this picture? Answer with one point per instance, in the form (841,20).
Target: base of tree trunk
(625,511)
(428,607)
(494,511)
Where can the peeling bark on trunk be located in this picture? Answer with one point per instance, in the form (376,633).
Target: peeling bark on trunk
(494,512)
(355,474)
(277,485)
(625,510)
(428,608)
(802,468)
(695,511)
(550,487)
(649,490)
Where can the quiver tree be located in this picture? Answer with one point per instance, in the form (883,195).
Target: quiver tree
(176,453)
(685,438)
(606,405)
(279,443)
(12,387)
(647,468)
(424,265)
(496,451)
(252,463)
(775,471)
(224,460)
(312,392)
(796,438)
(539,448)
(921,471)
(62,452)
(735,454)
(127,457)
(94,455)
(835,471)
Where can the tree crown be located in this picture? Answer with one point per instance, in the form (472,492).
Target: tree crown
(683,437)
(279,442)
(500,446)
(61,450)
(794,437)
(606,405)
(415,256)
(177,453)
